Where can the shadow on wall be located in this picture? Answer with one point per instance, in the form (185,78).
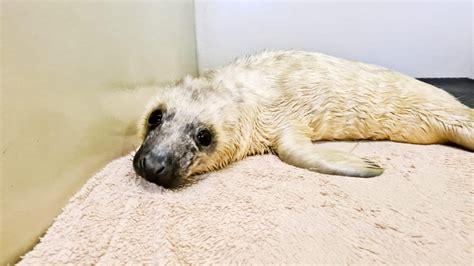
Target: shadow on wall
(62,115)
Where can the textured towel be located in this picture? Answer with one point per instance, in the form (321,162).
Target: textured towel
(261,210)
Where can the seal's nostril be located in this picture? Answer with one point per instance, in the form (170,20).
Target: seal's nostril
(159,170)
(143,164)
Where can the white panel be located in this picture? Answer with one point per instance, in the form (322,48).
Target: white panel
(419,38)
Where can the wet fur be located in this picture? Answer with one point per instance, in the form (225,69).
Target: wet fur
(281,101)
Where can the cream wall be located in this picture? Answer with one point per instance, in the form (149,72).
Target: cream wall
(61,120)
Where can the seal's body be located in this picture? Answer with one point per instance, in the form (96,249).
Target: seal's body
(283,101)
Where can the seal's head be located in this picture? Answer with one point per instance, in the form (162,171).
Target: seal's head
(185,130)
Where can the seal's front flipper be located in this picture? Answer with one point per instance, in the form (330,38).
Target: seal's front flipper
(298,150)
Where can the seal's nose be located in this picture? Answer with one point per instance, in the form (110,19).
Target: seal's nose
(156,168)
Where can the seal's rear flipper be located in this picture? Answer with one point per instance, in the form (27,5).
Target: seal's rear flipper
(297,149)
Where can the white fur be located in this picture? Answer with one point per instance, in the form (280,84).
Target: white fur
(256,101)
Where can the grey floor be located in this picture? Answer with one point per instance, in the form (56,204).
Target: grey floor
(461,88)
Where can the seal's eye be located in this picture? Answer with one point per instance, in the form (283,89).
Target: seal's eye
(204,137)
(154,119)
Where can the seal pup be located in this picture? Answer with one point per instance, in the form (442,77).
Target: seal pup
(283,101)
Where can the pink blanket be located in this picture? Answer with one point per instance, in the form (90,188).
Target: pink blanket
(261,210)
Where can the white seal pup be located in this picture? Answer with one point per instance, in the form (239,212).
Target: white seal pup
(281,102)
